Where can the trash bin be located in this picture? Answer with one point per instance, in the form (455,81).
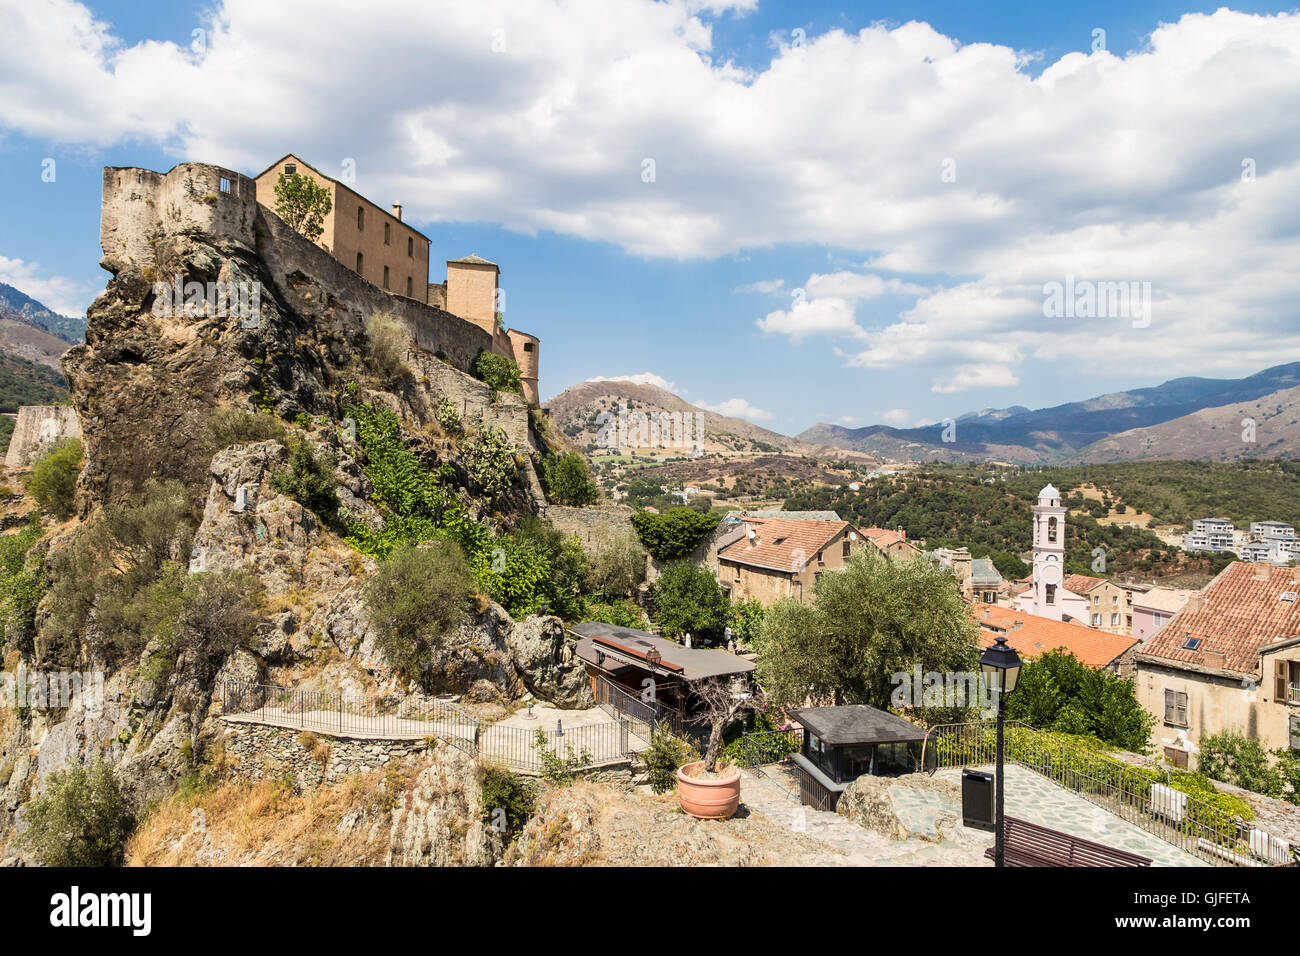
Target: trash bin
(977,800)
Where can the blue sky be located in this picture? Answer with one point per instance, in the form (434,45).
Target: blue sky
(799,255)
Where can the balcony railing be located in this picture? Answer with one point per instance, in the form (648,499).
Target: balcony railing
(1293,693)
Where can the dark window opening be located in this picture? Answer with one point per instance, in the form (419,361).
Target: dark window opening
(385,277)
(360,260)
(361,218)
(290,169)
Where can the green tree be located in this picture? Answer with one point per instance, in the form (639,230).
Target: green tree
(53,481)
(309,480)
(568,480)
(498,372)
(1237,759)
(874,619)
(673,534)
(688,600)
(80,819)
(1058,692)
(413,599)
(617,568)
(302,203)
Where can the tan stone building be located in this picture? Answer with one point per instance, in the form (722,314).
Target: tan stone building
(1228,661)
(390,254)
(781,558)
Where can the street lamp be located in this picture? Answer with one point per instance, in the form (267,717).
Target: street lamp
(1001,666)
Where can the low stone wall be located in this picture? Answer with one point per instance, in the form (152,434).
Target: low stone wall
(37,428)
(256,752)
(595,526)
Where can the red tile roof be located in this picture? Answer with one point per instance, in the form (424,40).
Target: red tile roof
(1081,583)
(783,544)
(1239,612)
(1037,635)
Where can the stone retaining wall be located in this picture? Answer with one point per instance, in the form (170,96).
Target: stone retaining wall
(257,752)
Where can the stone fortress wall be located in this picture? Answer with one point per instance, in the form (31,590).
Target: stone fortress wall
(38,427)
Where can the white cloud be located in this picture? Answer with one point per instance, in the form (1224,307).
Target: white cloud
(812,317)
(765,286)
(64,296)
(1100,167)
(739,408)
(898,417)
(974,376)
(640,378)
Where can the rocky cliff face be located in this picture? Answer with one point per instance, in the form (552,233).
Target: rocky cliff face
(146,384)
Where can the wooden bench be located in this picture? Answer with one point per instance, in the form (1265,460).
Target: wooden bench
(1028,844)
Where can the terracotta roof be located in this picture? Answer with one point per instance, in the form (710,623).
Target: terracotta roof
(1239,612)
(782,544)
(1164,599)
(1081,583)
(1037,635)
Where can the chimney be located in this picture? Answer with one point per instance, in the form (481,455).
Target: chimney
(397,211)
(1194,602)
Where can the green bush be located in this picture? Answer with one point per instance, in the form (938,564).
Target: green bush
(386,346)
(567,480)
(238,426)
(106,575)
(662,758)
(79,820)
(499,372)
(1057,692)
(449,417)
(309,480)
(673,534)
(622,613)
(1234,758)
(53,481)
(688,599)
(508,799)
(489,459)
(413,599)
(559,769)
(616,569)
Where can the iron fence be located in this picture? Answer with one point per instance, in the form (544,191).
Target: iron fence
(416,718)
(1133,793)
(769,747)
(618,702)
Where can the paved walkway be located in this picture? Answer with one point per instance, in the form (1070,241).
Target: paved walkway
(1029,797)
(1032,797)
(848,843)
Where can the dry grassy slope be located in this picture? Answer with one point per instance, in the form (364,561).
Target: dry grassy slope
(1212,433)
(580,406)
(36,345)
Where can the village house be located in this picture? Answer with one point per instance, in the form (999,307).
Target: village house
(1110,603)
(778,558)
(892,544)
(389,253)
(1228,661)
(1033,636)
(1155,608)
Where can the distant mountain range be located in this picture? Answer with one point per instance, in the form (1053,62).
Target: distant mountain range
(1194,418)
(1183,418)
(16,306)
(577,413)
(33,339)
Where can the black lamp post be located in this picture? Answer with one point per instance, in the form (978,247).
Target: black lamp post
(1001,666)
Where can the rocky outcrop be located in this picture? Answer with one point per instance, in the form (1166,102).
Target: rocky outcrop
(913,806)
(38,427)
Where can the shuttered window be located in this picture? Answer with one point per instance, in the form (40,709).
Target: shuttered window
(1279,691)
(1176,707)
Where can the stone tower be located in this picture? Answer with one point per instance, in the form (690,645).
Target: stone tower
(1049,553)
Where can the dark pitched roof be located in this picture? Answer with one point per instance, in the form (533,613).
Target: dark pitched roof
(1239,612)
(628,646)
(857,724)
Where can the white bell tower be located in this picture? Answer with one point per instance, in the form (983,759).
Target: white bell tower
(1049,553)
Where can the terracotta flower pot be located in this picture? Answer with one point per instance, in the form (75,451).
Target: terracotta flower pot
(708,799)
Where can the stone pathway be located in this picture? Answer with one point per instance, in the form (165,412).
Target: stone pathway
(1036,799)
(849,844)
(1029,796)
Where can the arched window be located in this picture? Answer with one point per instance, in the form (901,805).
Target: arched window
(1051,529)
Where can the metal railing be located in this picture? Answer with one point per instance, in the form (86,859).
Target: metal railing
(417,718)
(618,702)
(769,747)
(1130,792)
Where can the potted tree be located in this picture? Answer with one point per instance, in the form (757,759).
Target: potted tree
(704,790)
